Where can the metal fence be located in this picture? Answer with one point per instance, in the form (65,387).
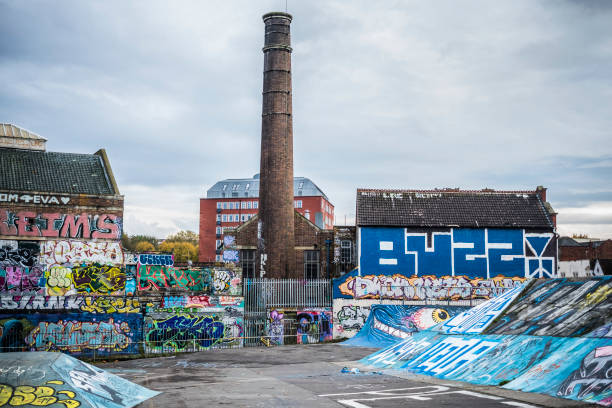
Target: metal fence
(261,295)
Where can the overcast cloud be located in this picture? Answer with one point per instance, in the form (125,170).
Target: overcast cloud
(394,94)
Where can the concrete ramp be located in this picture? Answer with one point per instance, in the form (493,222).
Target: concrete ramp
(388,324)
(55,379)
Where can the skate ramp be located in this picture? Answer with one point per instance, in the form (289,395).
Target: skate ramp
(388,324)
(55,379)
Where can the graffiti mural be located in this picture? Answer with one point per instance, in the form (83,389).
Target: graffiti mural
(75,333)
(59,280)
(558,307)
(96,278)
(19,253)
(152,259)
(387,324)
(92,304)
(20,279)
(37,395)
(276,329)
(182,331)
(476,253)
(61,252)
(400,287)
(157,277)
(227,281)
(351,318)
(592,379)
(56,225)
(477,318)
(314,326)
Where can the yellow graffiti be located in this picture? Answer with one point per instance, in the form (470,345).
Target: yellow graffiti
(110,305)
(59,280)
(265,341)
(39,396)
(600,295)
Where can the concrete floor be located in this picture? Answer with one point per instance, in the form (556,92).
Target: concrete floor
(304,376)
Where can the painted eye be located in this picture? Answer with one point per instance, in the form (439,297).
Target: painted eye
(439,315)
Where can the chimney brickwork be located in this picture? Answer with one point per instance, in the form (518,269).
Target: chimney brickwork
(276,232)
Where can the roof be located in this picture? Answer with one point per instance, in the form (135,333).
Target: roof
(16,137)
(249,187)
(452,208)
(70,173)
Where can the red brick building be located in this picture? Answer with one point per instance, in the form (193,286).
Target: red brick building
(231,202)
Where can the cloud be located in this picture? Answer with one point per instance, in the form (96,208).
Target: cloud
(399,95)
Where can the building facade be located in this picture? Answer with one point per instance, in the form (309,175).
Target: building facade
(231,202)
(588,258)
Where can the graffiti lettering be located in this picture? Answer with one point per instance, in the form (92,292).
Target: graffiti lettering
(182,331)
(104,279)
(19,253)
(36,198)
(425,287)
(76,337)
(56,225)
(92,304)
(151,259)
(352,317)
(157,277)
(41,396)
(77,252)
(17,279)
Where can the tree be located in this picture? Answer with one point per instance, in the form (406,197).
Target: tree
(183,251)
(184,236)
(144,246)
(129,243)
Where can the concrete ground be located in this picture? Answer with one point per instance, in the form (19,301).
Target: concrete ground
(304,376)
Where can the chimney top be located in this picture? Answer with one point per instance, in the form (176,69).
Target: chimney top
(278,14)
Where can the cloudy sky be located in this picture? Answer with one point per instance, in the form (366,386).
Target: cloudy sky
(393,94)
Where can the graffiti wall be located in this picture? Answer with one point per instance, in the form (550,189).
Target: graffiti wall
(388,324)
(475,253)
(420,288)
(84,297)
(558,307)
(57,225)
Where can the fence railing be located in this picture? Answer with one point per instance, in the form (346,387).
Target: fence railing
(109,345)
(261,295)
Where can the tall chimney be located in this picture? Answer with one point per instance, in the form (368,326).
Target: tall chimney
(276,236)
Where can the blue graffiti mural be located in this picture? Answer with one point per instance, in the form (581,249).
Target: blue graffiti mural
(477,253)
(181,331)
(388,324)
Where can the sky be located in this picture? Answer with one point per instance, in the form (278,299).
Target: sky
(393,94)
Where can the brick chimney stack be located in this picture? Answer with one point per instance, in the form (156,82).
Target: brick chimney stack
(276,235)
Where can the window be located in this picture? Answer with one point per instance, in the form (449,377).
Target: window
(255,204)
(218,217)
(218,243)
(346,252)
(247,262)
(243,205)
(219,230)
(297,203)
(243,217)
(248,203)
(235,194)
(219,258)
(225,205)
(224,218)
(219,205)
(311,264)
(235,205)
(236,217)
(307,215)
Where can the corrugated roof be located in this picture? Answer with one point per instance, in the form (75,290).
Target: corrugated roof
(249,187)
(451,208)
(6,129)
(30,170)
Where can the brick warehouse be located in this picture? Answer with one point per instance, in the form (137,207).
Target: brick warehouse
(231,202)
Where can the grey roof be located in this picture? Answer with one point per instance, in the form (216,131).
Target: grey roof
(71,173)
(567,241)
(455,208)
(249,187)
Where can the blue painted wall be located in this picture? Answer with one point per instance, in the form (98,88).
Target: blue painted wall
(476,253)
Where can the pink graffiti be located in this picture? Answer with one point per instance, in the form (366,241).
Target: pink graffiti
(18,279)
(56,225)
